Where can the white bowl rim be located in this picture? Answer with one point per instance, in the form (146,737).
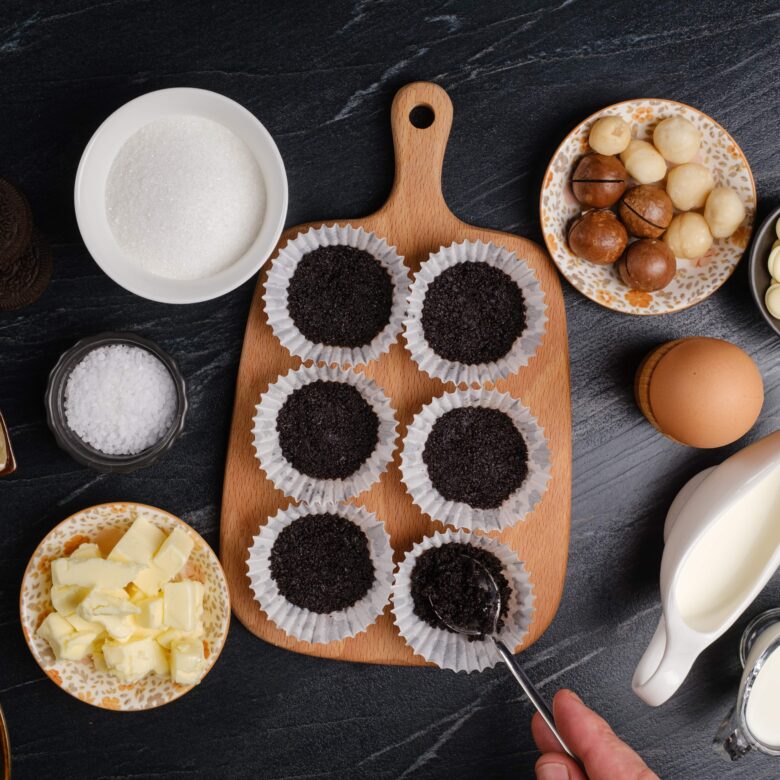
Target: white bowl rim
(108,139)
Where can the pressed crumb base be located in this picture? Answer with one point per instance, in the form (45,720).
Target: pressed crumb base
(322,563)
(477,456)
(327,430)
(448,577)
(473,313)
(340,296)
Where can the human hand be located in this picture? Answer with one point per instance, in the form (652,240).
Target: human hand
(606,756)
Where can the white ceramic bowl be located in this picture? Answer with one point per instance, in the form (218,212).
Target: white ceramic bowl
(89,194)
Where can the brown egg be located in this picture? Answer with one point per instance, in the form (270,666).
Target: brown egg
(599,180)
(699,391)
(646,211)
(648,265)
(598,236)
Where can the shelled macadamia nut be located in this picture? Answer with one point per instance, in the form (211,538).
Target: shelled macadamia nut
(643,162)
(688,236)
(723,211)
(677,139)
(688,185)
(609,135)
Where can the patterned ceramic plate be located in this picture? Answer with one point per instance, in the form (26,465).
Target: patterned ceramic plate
(696,279)
(80,678)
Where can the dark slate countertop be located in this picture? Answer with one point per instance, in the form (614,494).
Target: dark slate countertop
(321,77)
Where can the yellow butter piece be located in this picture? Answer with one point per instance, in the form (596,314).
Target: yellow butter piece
(66,598)
(86,550)
(77,646)
(139,544)
(169,560)
(93,572)
(54,630)
(182,604)
(133,660)
(188,662)
(171,635)
(79,624)
(151,613)
(99,602)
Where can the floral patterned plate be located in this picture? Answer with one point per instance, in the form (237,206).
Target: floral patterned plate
(696,279)
(104,524)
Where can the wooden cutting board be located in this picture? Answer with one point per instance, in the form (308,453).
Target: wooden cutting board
(416,220)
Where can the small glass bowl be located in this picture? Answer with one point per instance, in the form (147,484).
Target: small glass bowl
(79,449)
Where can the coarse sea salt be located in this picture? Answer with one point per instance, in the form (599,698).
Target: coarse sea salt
(120,399)
(185,197)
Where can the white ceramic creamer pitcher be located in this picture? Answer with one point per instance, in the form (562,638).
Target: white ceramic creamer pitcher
(722,540)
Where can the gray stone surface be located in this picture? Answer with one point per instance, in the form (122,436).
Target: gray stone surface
(321,77)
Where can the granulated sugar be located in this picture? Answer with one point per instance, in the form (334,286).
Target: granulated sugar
(120,399)
(185,197)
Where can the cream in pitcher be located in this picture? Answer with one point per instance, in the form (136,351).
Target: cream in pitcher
(722,546)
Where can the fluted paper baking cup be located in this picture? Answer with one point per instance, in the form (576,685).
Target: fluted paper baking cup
(283,474)
(303,624)
(414,471)
(282,269)
(454,651)
(525,345)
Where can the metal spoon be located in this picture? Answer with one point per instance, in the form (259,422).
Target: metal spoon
(486,582)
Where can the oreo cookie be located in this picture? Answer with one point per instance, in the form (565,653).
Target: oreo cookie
(16,223)
(23,280)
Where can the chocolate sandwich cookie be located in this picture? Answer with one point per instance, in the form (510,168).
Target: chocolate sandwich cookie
(327,430)
(16,222)
(476,455)
(472,313)
(24,279)
(449,578)
(340,296)
(321,562)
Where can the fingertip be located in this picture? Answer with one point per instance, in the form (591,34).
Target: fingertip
(556,766)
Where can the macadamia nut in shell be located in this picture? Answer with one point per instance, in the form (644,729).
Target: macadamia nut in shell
(688,186)
(723,211)
(609,135)
(688,236)
(643,162)
(677,139)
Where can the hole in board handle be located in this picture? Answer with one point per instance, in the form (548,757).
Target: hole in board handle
(422,116)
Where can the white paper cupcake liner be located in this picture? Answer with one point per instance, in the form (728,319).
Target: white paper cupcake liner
(282,269)
(525,345)
(454,651)
(301,486)
(303,624)
(414,471)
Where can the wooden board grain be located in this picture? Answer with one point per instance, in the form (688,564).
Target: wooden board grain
(416,220)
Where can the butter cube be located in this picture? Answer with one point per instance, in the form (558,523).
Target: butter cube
(86,550)
(169,560)
(174,552)
(79,624)
(66,598)
(54,630)
(171,635)
(139,544)
(98,660)
(151,613)
(93,572)
(77,646)
(99,602)
(182,604)
(133,660)
(188,662)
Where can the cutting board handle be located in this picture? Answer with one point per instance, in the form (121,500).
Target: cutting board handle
(419,151)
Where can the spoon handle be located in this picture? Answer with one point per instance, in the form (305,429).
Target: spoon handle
(533,695)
